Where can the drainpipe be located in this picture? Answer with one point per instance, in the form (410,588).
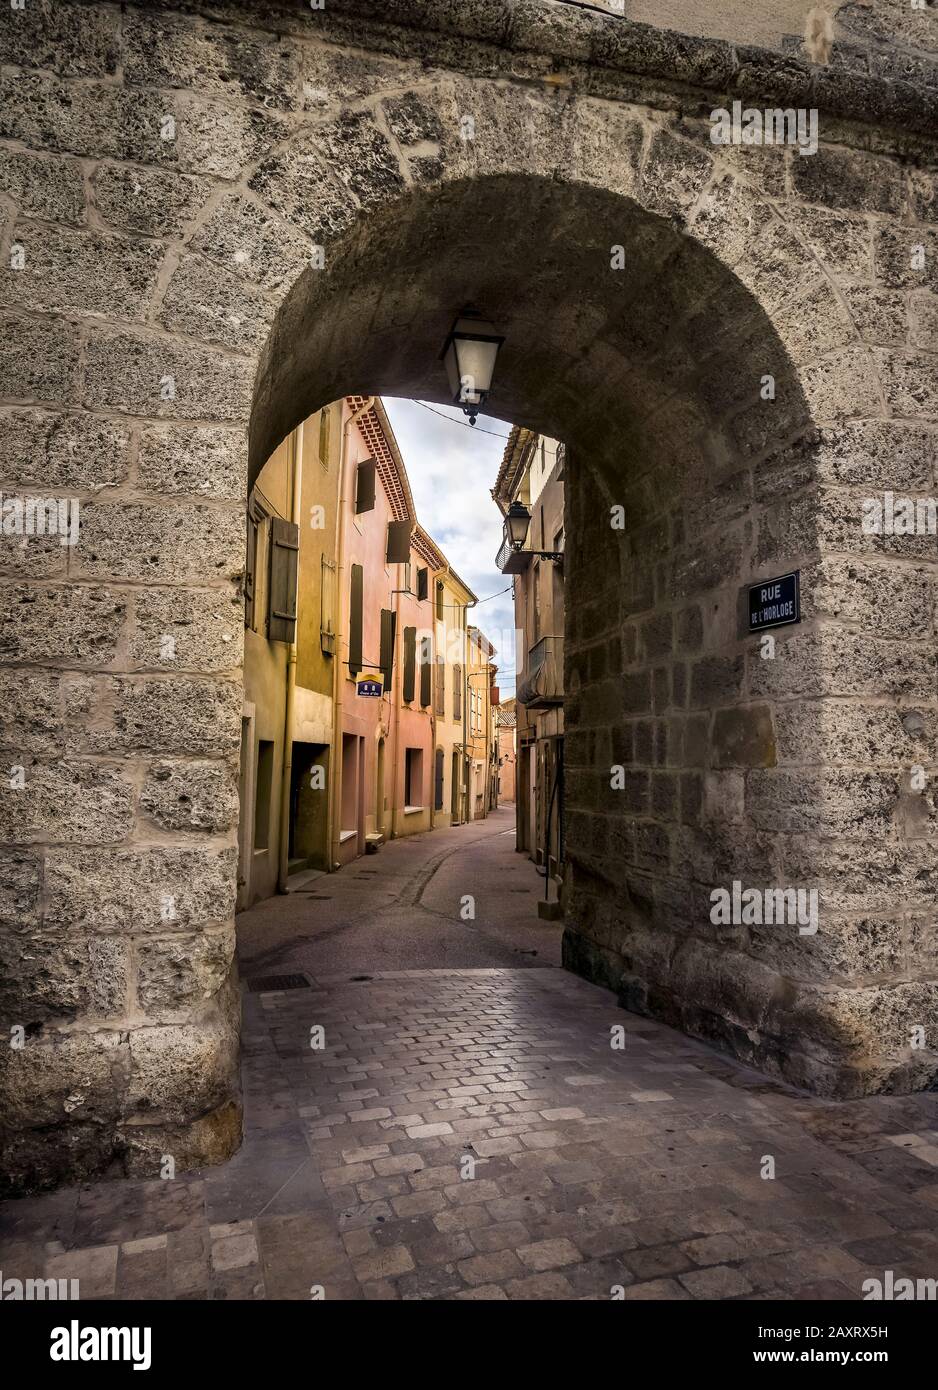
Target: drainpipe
(286,770)
(335,762)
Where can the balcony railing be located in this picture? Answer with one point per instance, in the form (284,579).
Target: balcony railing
(511,561)
(541,681)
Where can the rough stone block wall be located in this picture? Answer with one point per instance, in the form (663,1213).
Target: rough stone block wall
(167,180)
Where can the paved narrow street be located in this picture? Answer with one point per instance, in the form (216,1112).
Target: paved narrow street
(467,1131)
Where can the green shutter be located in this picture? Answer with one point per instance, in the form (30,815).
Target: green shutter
(284,552)
(388,632)
(399,542)
(365,486)
(355,621)
(410,662)
(426,659)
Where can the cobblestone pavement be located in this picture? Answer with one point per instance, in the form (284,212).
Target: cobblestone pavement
(470,1133)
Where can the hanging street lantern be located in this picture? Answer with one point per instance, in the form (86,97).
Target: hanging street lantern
(517,521)
(469,355)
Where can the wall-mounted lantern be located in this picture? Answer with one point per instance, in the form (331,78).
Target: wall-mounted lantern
(517,522)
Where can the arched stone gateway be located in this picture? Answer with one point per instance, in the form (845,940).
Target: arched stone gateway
(227,220)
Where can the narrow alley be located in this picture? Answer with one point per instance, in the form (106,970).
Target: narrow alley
(464,1127)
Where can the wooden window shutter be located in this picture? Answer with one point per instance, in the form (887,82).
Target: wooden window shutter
(410,662)
(388,633)
(365,486)
(439,694)
(438,781)
(399,542)
(324,436)
(327,601)
(250,567)
(284,553)
(355,620)
(439,602)
(457,692)
(426,660)
(421,583)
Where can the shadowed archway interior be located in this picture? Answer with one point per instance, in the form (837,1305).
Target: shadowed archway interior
(671,388)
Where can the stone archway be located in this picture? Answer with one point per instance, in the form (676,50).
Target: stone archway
(171,342)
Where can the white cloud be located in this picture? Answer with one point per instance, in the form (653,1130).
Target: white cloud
(452,468)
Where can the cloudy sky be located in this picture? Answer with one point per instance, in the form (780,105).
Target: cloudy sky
(452,469)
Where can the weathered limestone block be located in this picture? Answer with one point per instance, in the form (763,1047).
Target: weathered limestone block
(253,243)
(207,1140)
(135,890)
(828,801)
(75,626)
(181,715)
(71,40)
(84,803)
(160,543)
(176,972)
(198,460)
(81,272)
(216,306)
(167,378)
(191,796)
(868,736)
(874,595)
(39,359)
(45,187)
(188,630)
(849,179)
(743,737)
(166,50)
(20,878)
(63,1078)
(181,1072)
(45,977)
(48,450)
(154,202)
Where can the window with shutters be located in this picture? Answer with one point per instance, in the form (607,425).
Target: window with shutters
(410,663)
(439,602)
(327,600)
(422,583)
(365,486)
(439,691)
(324,425)
(356,590)
(426,661)
(388,633)
(284,553)
(457,692)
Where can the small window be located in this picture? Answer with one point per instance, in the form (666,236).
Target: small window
(413,778)
(457,692)
(422,583)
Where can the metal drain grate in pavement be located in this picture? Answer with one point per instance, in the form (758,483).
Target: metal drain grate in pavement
(262,984)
